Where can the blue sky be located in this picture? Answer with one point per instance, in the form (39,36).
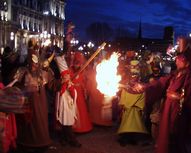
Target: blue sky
(154,14)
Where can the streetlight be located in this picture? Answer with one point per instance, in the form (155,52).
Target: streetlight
(80,48)
(12,35)
(90,44)
(74,42)
(45,38)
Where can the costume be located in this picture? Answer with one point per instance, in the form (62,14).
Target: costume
(154,112)
(66,97)
(11,102)
(133,105)
(174,123)
(132,125)
(175,88)
(8,131)
(66,107)
(33,125)
(83,123)
(66,110)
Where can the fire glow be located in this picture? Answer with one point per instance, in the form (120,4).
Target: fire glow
(106,77)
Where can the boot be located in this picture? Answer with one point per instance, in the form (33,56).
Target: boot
(70,137)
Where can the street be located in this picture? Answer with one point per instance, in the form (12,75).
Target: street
(100,140)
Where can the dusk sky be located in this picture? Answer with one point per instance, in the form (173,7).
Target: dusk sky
(154,14)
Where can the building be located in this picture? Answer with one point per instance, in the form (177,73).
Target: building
(22,19)
(140,44)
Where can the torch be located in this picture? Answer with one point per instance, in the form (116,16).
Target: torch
(90,59)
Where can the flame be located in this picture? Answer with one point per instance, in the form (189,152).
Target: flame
(106,77)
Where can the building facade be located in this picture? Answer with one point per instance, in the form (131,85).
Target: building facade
(23,19)
(142,44)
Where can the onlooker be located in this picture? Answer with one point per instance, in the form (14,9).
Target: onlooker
(10,62)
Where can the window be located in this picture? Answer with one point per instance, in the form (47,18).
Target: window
(15,14)
(25,24)
(57,11)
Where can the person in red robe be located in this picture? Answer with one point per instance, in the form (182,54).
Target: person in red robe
(175,88)
(83,122)
(95,100)
(8,130)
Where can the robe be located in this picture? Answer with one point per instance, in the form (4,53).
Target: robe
(33,125)
(8,130)
(66,111)
(132,120)
(175,120)
(83,122)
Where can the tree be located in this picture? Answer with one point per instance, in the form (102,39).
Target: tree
(122,32)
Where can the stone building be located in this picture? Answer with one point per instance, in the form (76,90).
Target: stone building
(140,43)
(22,19)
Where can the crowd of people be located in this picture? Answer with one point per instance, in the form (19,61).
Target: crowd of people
(54,99)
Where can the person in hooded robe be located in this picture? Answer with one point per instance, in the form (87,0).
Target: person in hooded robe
(95,99)
(33,132)
(132,128)
(155,110)
(175,88)
(83,122)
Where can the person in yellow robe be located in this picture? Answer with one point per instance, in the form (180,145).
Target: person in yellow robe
(132,124)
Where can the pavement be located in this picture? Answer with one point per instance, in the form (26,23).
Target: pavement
(100,140)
